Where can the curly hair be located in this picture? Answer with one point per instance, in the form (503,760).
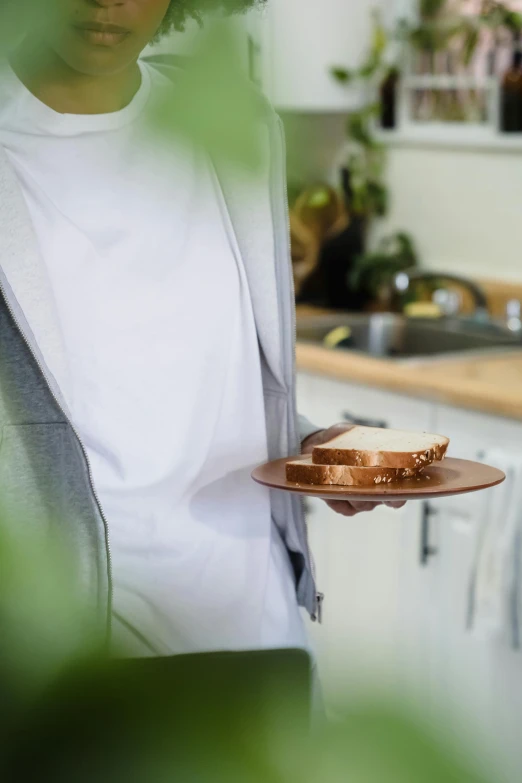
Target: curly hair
(180,11)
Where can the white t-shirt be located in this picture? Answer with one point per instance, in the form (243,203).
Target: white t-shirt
(165,382)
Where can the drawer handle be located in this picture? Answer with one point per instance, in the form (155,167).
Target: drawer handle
(362,422)
(427,550)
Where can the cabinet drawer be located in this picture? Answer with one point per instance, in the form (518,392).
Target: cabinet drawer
(329,401)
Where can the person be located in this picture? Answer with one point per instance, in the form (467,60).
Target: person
(146,345)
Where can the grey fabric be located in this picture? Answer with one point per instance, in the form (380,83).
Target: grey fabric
(43,467)
(44,480)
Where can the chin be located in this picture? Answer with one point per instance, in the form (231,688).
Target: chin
(97,60)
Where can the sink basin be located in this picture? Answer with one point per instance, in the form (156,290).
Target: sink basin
(397,337)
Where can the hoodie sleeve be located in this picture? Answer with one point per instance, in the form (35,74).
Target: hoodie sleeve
(306,428)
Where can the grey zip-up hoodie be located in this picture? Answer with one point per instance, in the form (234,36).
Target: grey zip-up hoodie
(45,476)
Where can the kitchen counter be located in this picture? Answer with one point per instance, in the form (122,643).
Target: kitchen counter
(490,384)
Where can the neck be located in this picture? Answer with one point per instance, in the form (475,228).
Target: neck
(67,91)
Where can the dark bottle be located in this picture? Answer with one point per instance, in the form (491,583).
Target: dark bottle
(389,100)
(511,97)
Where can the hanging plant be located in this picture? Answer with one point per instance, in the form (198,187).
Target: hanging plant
(429,9)
(375,271)
(366,156)
(440,26)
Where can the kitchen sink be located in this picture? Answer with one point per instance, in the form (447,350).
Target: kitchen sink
(397,337)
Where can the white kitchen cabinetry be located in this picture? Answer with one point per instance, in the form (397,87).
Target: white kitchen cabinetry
(396,605)
(479,679)
(302,40)
(361,562)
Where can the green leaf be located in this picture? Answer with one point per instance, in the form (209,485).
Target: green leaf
(342,75)
(370,67)
(431,8)
(379,37)
(470,43)
(358,130)
(394,253)
(319,198)
(514,21)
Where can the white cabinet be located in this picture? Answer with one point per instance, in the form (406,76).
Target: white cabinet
(361,562)
(303,39)
(329,401)
(479,679)
(395,617)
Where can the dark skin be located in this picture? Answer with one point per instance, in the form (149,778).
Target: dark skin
(81,58)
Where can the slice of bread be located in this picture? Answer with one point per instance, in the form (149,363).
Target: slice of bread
(372,447)
(305,472)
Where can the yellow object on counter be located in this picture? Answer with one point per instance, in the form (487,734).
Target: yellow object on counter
(423,310)
(337,336)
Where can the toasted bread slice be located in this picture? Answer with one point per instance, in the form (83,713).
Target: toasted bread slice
(373,447)
(305,472)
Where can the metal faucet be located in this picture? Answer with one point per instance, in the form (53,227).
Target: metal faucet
(403,280)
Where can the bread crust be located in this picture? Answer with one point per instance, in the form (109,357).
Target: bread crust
(304,472)
(329,455)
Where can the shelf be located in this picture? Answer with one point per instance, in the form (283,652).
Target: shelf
(446,82)
(347,101)
(475,138)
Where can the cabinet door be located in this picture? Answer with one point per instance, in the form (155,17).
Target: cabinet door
(362,562)
(479,679)
(303,40)
(330,401)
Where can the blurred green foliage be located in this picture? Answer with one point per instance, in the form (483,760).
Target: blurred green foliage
(429,9)
(443,23)
(214,104)
(373,61)
(376,269)
(366,155)
(68,713)
(181,11)
(43,622)
(13,20)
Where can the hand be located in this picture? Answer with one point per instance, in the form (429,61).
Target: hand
(344,507)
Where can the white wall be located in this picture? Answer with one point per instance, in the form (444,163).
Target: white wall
(303,39)
(463,208)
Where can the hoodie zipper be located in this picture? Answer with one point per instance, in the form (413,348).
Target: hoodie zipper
(84,452)
(317,615)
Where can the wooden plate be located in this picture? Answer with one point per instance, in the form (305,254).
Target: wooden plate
(442,479)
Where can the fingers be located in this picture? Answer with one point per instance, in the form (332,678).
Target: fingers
(346,509)
(341,507)
(362,506)
(350,509)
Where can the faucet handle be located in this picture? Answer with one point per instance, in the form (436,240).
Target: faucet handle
(449,301)
(514,315)
(513,308)
(401,282)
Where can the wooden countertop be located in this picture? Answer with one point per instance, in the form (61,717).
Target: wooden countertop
(491,384)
